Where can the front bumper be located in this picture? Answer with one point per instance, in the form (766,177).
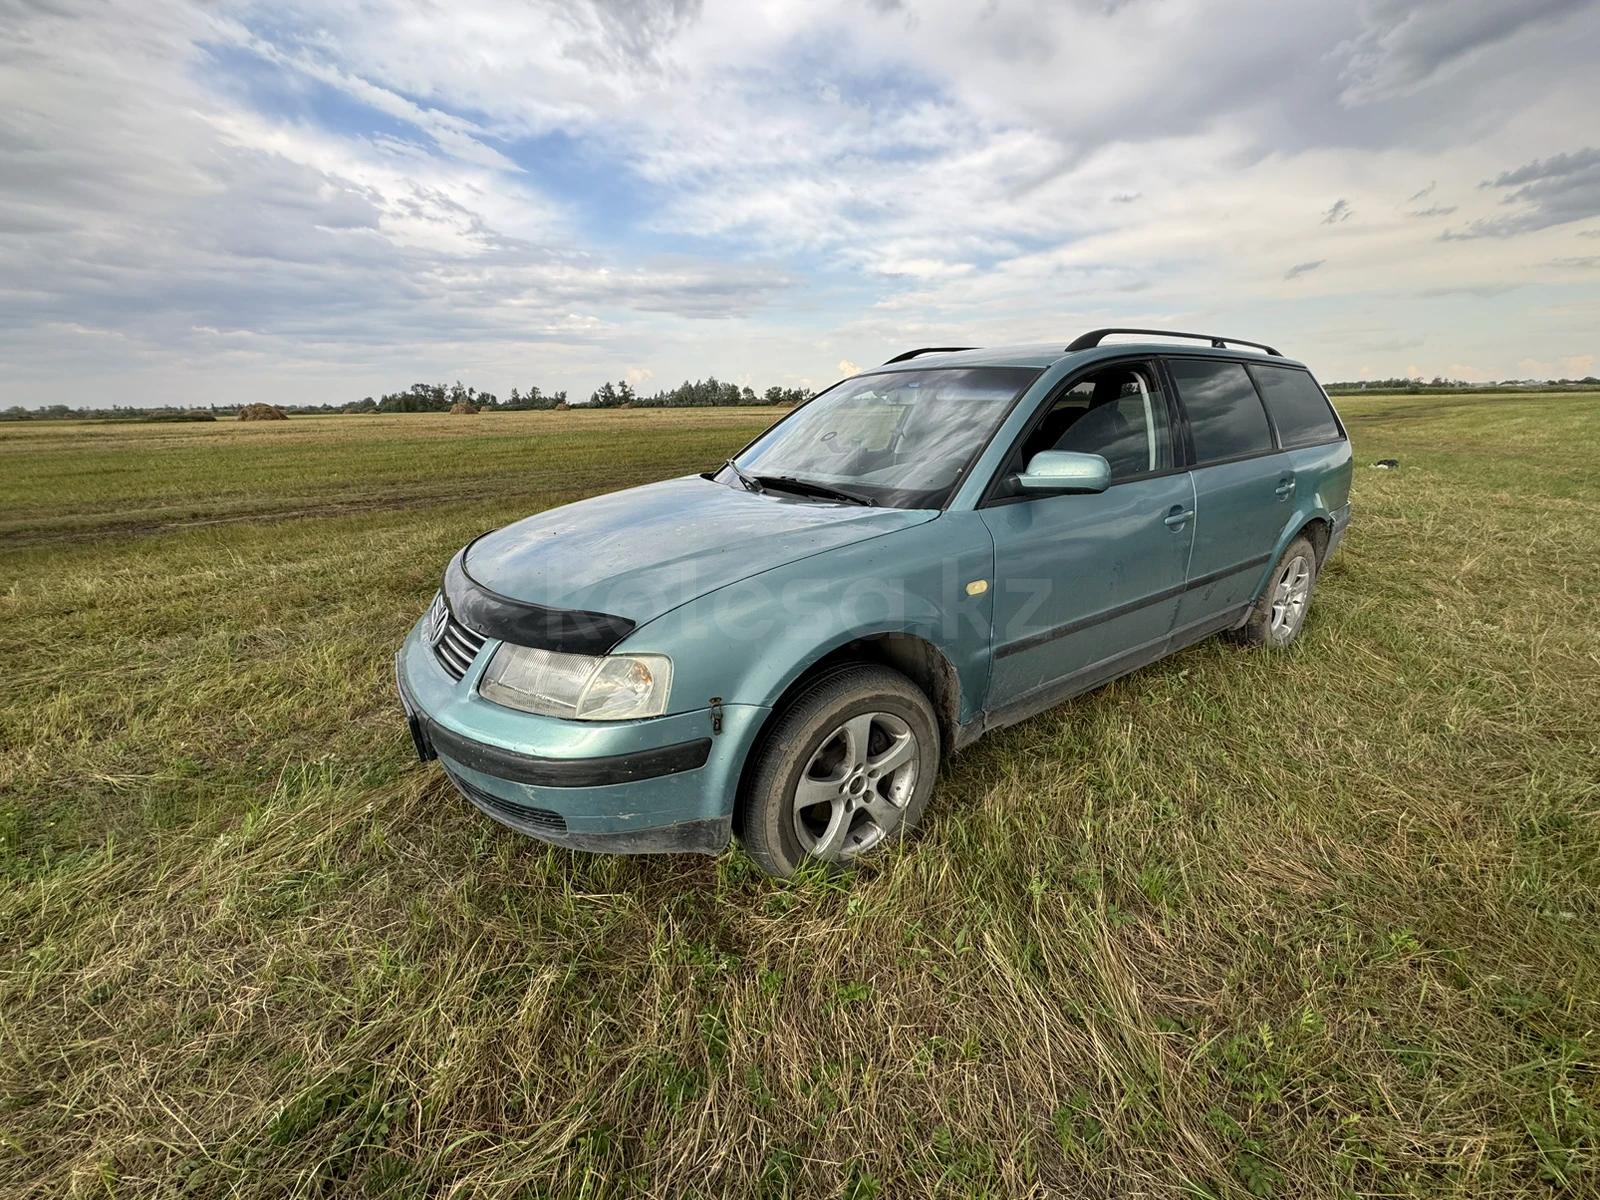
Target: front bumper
(661,785)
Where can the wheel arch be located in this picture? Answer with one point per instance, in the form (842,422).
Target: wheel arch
(1317,529)
(915,657)
(1319,532)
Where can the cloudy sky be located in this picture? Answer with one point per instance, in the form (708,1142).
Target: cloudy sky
(316,202)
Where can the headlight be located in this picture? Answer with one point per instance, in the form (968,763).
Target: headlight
(584,687)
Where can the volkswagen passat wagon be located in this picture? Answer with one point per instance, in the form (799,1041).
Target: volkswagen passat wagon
(786,648)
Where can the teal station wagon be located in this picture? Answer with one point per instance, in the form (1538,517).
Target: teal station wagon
(788,647)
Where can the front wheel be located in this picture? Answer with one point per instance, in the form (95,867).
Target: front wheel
(847,768)
(1278,616)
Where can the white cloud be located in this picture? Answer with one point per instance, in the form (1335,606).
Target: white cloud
(1406,45)
(1554,191)
(545,192)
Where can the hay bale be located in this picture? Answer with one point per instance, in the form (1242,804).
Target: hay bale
(461,406)
(262,412)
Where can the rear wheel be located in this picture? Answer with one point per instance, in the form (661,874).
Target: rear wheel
(846,769)
(1278,616)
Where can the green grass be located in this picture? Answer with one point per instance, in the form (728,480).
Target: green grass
(1318,923)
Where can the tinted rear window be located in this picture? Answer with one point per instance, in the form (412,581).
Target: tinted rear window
(1297,405)
(1225,414)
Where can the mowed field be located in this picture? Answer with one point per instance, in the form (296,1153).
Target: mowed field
(1313,923)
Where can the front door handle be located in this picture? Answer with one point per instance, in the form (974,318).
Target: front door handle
(1285,487)
(1178,517)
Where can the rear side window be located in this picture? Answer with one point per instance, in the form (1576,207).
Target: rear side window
(1298,407)
(1226,419)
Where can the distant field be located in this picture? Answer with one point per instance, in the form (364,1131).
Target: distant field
(64,479)
(1315,923)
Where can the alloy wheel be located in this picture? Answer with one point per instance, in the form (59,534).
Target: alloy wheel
(1290,595)
(854,790)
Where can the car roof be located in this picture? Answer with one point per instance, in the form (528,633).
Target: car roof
(1041,355)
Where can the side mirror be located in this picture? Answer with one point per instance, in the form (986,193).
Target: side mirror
(1065,471)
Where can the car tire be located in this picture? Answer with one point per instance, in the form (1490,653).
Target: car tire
(1280,614)
(846,768)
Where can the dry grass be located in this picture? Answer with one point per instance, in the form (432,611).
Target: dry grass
(1315,923)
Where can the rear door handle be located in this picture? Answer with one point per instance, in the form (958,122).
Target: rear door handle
(1178,517)
(1285,488)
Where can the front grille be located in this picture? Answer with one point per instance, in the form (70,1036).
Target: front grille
(539,818)
(454,645)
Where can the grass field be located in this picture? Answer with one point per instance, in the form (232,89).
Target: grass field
(1320,922)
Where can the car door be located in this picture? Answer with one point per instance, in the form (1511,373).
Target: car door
(1243,485)
(1087,584)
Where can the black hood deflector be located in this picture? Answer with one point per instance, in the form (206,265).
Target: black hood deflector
(487,612)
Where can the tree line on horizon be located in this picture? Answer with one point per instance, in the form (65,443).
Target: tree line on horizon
(701,393)
(1441,384)
(439,397)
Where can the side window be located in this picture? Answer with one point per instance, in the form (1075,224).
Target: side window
(1226,419)
(1118,413)
(1298,407)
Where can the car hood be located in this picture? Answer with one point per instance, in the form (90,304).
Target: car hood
(640,552)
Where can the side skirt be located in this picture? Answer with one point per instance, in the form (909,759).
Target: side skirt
(1097,674)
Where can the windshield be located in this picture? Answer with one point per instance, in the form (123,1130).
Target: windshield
(900,439)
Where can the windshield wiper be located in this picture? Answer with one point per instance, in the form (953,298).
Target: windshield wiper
(750,485)
(807,487)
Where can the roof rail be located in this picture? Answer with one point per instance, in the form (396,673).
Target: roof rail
(910,354)
(1091,339)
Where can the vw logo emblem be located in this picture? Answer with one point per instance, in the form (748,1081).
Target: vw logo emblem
(437,620)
